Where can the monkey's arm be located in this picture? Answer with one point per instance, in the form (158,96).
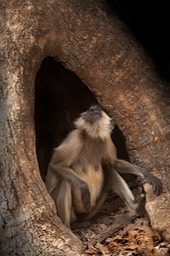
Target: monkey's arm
(123,166)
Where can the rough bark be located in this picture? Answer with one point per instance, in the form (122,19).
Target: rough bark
(28,221)
(91,42)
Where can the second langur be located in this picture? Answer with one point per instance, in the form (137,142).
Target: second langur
(85,167)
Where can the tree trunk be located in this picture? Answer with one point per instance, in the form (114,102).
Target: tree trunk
(94,44)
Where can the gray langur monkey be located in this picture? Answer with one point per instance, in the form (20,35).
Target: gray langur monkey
(85,167)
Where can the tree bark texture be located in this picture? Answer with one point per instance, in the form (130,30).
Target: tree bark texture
(93,43)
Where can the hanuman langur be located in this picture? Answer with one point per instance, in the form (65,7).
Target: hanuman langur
(85,167)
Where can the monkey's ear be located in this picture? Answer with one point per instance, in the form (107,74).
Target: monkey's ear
(112,124)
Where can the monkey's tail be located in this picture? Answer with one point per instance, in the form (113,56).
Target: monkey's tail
(97,207)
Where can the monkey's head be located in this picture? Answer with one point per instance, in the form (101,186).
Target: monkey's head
(92,115)
(95,122)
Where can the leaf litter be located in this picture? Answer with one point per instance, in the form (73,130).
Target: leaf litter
(114,231)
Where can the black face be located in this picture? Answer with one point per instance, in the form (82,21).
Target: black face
(93,114)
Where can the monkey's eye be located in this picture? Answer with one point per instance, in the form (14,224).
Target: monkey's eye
(93,111)
(96,114)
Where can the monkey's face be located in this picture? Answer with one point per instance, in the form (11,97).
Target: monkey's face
(92,115)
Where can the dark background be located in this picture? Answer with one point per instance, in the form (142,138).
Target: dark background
(150,23)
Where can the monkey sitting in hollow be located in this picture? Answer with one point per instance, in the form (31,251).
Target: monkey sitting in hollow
(85,167)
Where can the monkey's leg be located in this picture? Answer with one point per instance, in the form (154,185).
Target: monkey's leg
(63,200)
(123,166)
(120,187)
(71,177)
(51,181)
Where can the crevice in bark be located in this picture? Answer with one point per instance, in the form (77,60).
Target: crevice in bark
(60,96)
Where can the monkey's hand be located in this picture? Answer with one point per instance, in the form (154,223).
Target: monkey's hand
(85,195)
(154,181)
(143,174)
